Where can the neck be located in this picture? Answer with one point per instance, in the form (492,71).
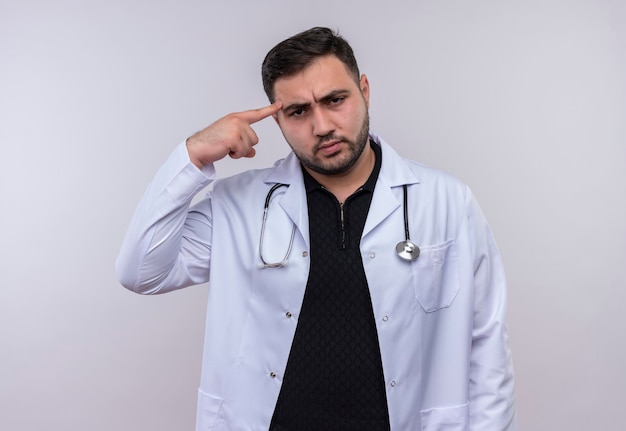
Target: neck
(345,184)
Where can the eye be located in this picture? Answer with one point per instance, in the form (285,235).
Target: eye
(336,100)
(296,113)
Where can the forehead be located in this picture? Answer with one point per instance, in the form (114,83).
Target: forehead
(323,76)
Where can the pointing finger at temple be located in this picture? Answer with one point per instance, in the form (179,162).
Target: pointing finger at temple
(254,115)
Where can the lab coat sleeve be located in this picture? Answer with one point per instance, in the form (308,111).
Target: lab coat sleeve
(168,244)
(491,371)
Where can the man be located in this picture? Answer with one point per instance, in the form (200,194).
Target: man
(325,315)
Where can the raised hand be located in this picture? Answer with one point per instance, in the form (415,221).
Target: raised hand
(231,135)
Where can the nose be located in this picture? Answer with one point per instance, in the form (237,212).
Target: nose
(322,123)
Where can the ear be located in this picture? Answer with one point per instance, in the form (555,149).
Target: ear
(365,89)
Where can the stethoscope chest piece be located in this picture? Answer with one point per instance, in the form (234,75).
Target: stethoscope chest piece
(407,250)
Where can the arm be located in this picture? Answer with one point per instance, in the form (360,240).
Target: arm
(491,371)
(168,244)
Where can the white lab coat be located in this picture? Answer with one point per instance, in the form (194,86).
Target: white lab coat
(440,319)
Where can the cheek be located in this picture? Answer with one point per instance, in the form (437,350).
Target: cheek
(293,131)
(354,116)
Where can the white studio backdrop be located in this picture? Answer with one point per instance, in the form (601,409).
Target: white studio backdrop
(524,101)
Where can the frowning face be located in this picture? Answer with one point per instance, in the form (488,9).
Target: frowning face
(324,116)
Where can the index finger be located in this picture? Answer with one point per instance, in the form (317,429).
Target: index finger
(254,115)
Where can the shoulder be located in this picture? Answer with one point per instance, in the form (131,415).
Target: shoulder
(284,171)
(398,170)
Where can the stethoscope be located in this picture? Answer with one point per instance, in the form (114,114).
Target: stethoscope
(406,249)
(293,232)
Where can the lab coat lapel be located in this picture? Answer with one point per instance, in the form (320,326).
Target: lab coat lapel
(293,202)
(384,202)
(393,174)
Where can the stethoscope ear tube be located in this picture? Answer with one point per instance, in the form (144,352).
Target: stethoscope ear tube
(406,249)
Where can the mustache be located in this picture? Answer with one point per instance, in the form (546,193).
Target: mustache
(330,137)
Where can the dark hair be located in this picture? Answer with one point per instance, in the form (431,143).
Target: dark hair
(296,53)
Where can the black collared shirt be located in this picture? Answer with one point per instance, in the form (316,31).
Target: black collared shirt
(334,378)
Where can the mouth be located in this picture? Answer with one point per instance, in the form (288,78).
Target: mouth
(330,147)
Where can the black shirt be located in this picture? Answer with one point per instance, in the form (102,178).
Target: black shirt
(334,378)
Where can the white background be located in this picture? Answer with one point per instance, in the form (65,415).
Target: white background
(524,101)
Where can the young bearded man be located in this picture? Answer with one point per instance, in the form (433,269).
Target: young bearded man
(349,289)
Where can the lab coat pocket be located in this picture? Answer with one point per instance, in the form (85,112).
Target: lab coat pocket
(436,276)
(209,408)
(446,418)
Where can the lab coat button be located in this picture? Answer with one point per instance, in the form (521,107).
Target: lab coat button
(273,375)
(385,318)
(288,314)
(305,254)
(372,255)
(393,383)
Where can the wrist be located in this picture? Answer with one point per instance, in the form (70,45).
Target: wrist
(193,158)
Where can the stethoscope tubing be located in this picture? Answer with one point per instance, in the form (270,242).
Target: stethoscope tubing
(406,249)
(293,232)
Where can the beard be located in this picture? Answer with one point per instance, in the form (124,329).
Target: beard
(341,161)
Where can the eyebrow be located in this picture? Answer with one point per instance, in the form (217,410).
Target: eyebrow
(326,98)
